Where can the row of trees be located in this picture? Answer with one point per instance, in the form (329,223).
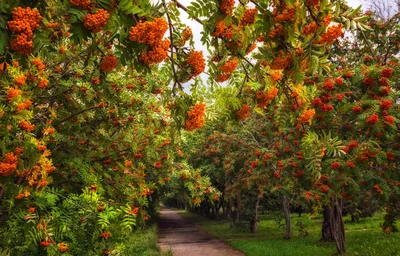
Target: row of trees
(86,133)
(329,145)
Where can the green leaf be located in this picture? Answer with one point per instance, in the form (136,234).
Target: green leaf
(79,32)
(4,39)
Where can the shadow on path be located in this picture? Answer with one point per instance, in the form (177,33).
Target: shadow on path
(184,239)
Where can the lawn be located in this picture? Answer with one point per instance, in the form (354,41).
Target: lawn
(144,243)
(363,238)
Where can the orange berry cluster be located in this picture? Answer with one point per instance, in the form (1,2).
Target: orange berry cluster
(226,6)
(24,105)
(186,34)
(95,22)
(157,54)
(327,19)
(331,34)
(23,195)
(284,13)
(195,118)
(230,66)
(306,116)
(227,69)
(219,29)
(43,83)
(281,61)
(8,165)
(63,247)
(243,112)
(20,81)
(39,64)
(264,98)
(80,3)
(312,2)
(251,48)
(23,24)
(151,33)
(108,63)
(223,77)
(248,17)
(197,62)
(39,173)
(25,125)
(278,30)
(276,75)
(12,93)
(310,28)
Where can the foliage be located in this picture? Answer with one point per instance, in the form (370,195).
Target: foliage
(93,103)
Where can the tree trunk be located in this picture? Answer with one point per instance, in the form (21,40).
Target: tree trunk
(299,210)
(326,225)
(217,210)
(213,212)
(333,226)
(286,210)
(237,207)
(19,180)
(337,225)
(3,212)
(2,193)
(224,210)
(254,220)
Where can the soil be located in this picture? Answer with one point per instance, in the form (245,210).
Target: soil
(185,239)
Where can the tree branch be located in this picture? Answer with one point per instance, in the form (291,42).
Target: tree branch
(187,11)
(72,116)
(176,80)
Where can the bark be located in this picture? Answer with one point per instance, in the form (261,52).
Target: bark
(2,212)
(213,212)
(326,225)
(217,210)
(236,212)
(254,220)
(224,208)
(299,210)
(2,193)
(337,227)
(286,210)
(232,213)
(19,180)
(333,226)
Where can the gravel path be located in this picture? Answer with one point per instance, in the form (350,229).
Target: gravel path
(184,239)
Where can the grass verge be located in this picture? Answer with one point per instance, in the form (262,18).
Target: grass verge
(144,243)
(363,238)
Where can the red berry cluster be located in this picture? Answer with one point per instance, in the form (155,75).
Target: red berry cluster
(80,3)
(108,63)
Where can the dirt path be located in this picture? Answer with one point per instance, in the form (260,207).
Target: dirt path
(184,239)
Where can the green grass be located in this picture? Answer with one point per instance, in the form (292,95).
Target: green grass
(144,243)
(363,238)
